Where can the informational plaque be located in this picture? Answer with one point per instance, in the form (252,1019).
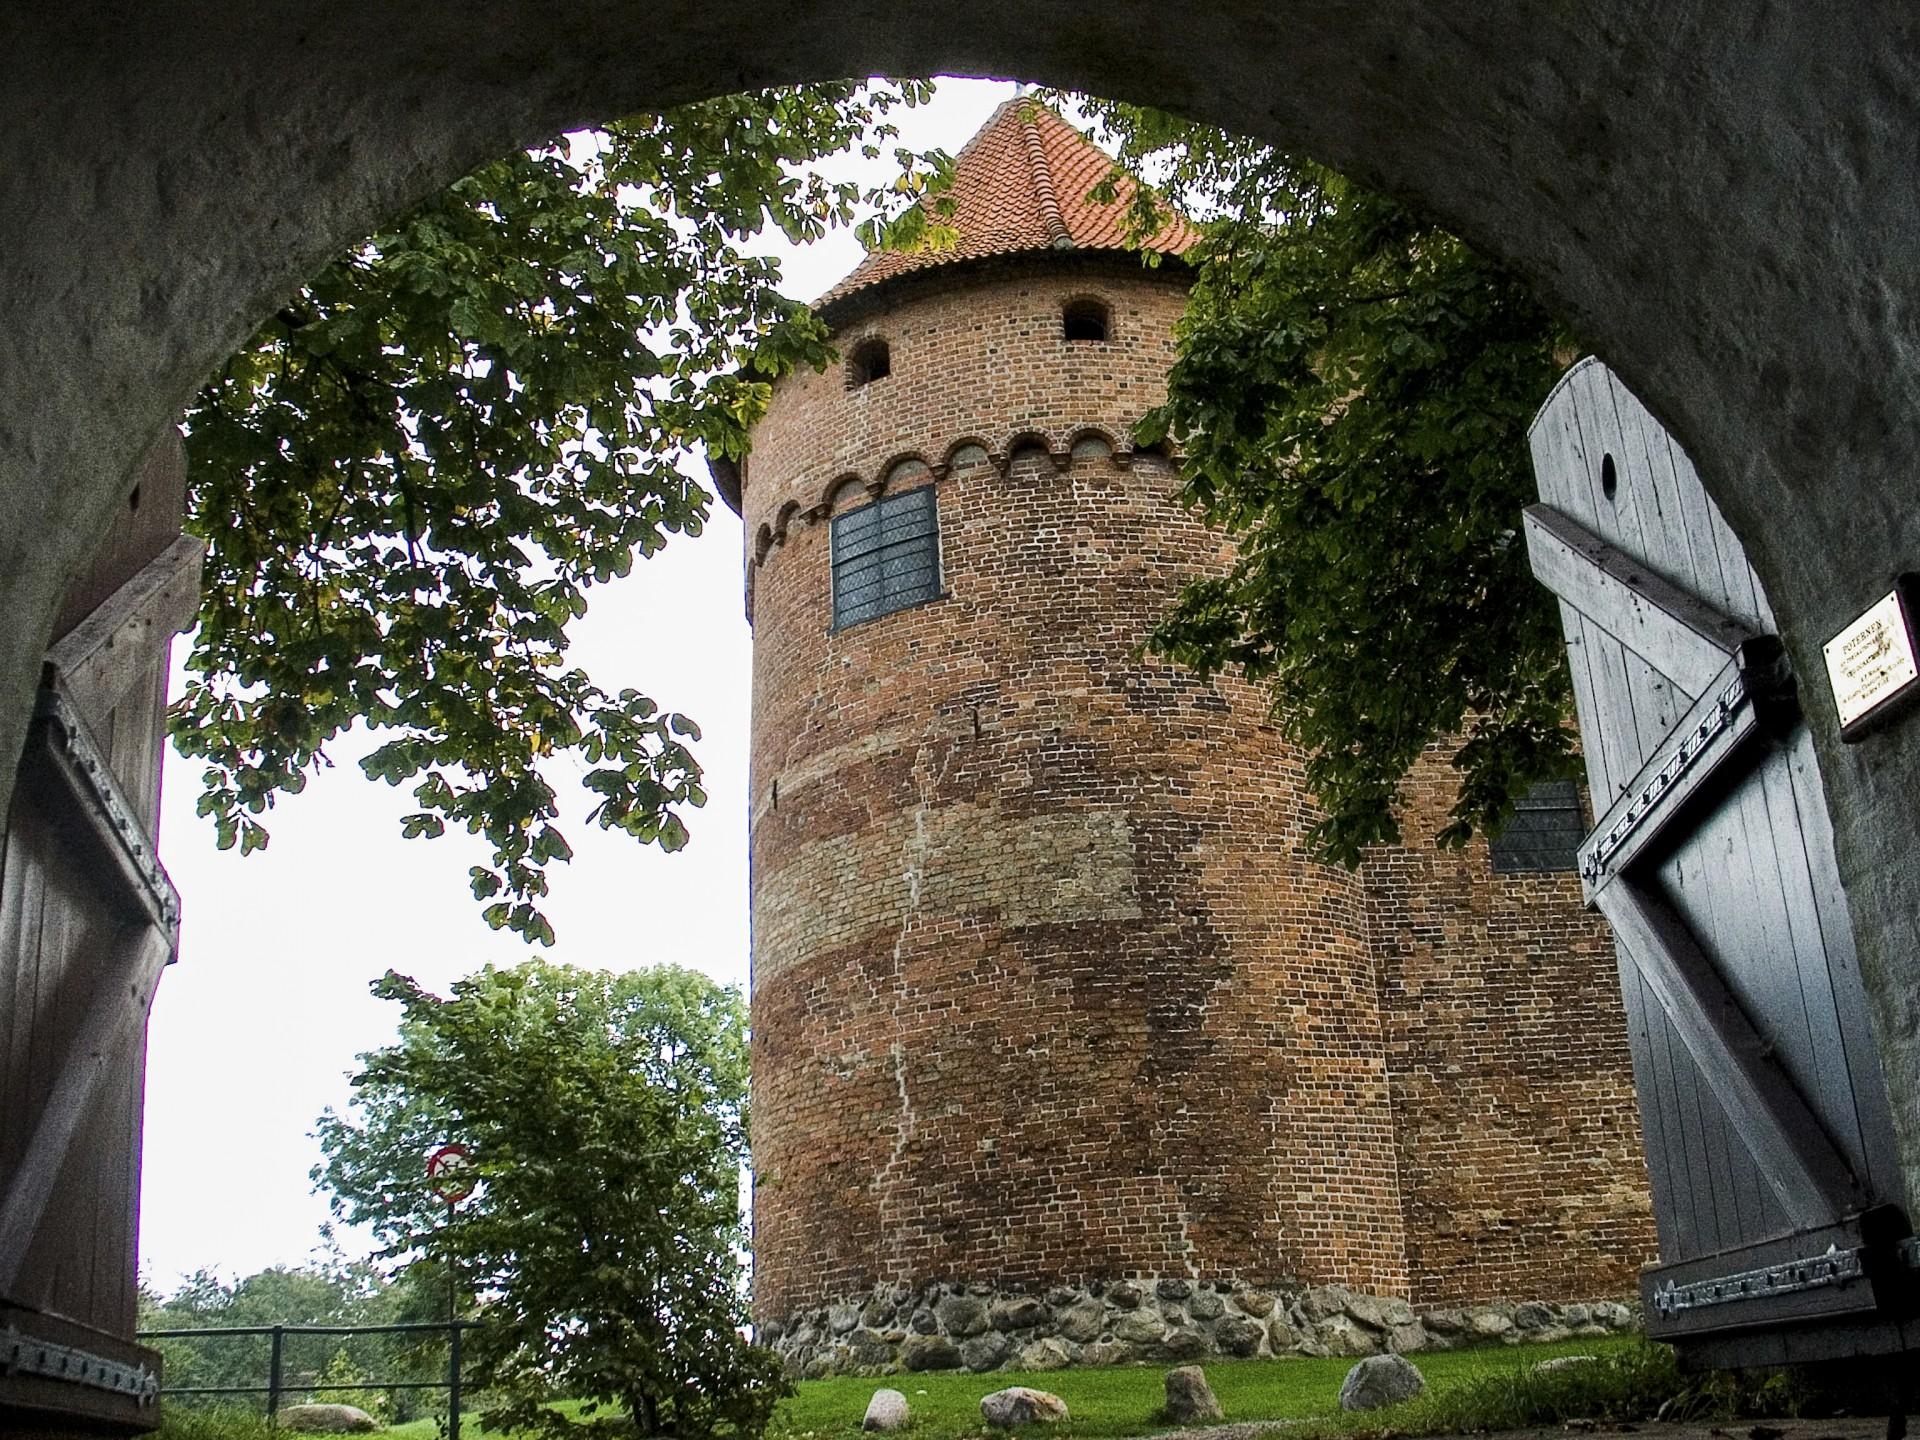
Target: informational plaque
(1871,663)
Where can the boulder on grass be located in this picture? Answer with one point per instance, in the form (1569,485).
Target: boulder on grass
(887,1410)
(327,1420)
(1019,1405)
(1379,1381)
(1190,1400)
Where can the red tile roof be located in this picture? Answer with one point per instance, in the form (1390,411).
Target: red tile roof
(1021,185)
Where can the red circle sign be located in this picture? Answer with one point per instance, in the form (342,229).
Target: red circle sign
(450,1173)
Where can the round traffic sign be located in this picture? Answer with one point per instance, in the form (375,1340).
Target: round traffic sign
(450,1173)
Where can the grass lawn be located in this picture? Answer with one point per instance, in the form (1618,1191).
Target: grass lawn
(1115,1402)
(1122,1401)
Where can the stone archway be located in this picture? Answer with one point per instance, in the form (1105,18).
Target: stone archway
(1721,199)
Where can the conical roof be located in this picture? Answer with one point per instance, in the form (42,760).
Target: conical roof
(1021,185)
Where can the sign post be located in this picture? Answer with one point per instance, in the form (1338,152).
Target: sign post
(450,1176)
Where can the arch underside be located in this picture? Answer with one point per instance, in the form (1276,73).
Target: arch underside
(1721,204)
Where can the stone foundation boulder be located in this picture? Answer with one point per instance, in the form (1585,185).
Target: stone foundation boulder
(945,1325)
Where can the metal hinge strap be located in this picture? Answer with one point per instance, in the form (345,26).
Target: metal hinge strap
(1593,863)
(1813,1272)
(23,1355)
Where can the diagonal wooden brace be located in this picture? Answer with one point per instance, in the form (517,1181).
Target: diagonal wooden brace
(1673,630)
(1809,1175)
(115,1015)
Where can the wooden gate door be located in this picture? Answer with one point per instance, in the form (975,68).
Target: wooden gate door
(88,920)
(1769,1144)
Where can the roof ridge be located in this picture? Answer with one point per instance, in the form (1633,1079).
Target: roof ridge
(1058,236)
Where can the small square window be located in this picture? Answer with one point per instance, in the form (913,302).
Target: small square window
(886,556)
(1544,833)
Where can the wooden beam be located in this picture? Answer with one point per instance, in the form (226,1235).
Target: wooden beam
(1809,1175)
(115,1013)
(102,657)
(1673,630)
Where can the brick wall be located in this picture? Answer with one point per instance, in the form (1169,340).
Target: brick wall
(1044,990)
(1519,1136)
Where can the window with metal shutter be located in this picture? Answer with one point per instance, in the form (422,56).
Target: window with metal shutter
(1544,833)
(886,556)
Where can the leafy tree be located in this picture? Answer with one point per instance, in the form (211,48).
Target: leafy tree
(334,1291)
(607,1119)
(410,478)
(1352,391)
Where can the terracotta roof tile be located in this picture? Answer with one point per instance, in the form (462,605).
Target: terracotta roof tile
(1021,184)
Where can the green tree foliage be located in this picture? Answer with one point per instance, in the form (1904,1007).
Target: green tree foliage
(410,478)
(607,1119)
(334,1291)
(1352,391)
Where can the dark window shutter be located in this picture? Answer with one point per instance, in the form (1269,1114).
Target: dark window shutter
(886,556)
(1544,833)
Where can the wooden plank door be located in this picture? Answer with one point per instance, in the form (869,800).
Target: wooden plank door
(1768,1137)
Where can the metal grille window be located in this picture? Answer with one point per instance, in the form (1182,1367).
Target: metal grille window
(1544,833)
(886,556)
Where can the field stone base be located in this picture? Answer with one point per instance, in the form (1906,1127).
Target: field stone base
(1171,1319)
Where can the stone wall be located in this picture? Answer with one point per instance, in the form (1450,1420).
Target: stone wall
(951,1327)
(1045,991)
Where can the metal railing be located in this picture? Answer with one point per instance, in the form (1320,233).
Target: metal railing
(278,1385)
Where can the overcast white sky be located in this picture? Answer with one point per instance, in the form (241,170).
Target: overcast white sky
(256,1028)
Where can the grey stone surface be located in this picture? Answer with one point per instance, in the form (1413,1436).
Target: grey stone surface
(1488,1321)
(1613,1315)
(1082,1322)
(1321,1301)
(1138,1326)
(327,1420)
(842,1318)
(1021,1313)
(1444,1321)
(961,1316)
(1532,1315)
(929,1352)
(1182,1342)
(1379,1312)
(1190,1399)
(1048,1354)
(989,1330)
(1173,1288)
(1021,1405)
(1404,1339)
(986,1352)
(1379,1381)
(1343,1335)
(887,1410)
(1239,1335)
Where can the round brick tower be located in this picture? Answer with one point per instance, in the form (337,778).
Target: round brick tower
(1062,1049)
